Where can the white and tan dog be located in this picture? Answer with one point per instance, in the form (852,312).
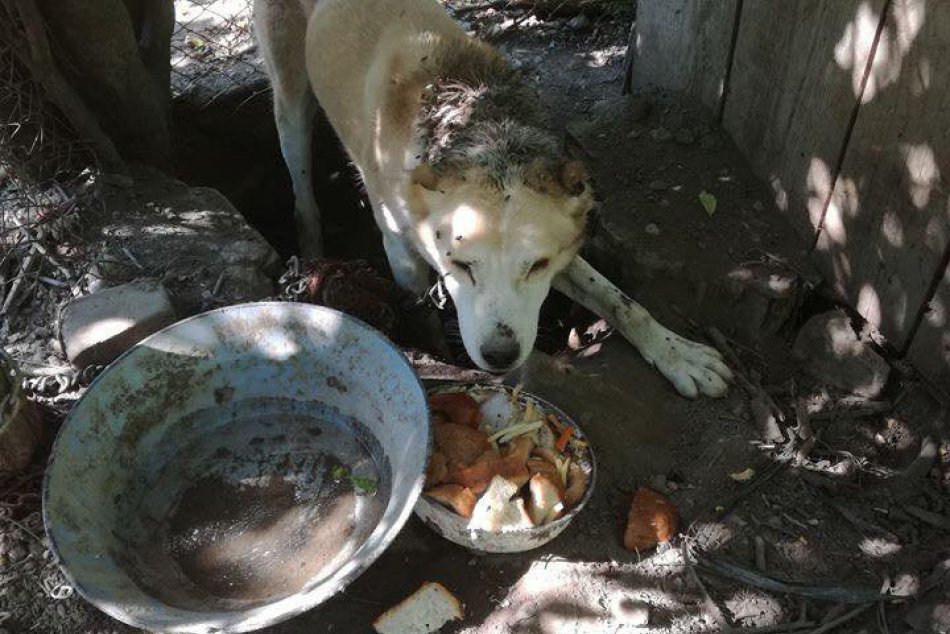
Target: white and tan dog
(462,174)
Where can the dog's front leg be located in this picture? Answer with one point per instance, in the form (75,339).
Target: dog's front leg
(410,271)
(692,367)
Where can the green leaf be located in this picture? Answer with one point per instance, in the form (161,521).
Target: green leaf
(366,485)
(338,472)
(708,202)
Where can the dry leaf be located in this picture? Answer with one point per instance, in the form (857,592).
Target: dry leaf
(744,475)
(708,202)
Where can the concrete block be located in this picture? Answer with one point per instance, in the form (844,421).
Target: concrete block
(97,328)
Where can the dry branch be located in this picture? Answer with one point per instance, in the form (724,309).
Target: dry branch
(840,594)
(43,67)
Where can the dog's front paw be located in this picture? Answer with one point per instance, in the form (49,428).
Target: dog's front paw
(692,368)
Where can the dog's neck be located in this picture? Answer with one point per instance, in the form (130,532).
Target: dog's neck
(476,110)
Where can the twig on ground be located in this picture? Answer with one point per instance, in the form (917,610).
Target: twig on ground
(882,619)
(778,529)
(929,517)
(497,4)
(796,522)
(869,409)
(778,628)
(735,572)
(841,620)
(719,340)
(217,285)
(714,611)
(749,488)
(21,527)
(760,562)
(132,259)
(767,413)
(863,524)
(10,300)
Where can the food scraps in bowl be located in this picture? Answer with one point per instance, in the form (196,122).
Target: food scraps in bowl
(502,462)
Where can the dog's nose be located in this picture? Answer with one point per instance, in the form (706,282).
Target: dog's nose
(501,356)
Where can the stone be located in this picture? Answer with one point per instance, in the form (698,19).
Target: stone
(831,351)
(97,328)
(579,22)
(658,185)
(187,238)
(652,229)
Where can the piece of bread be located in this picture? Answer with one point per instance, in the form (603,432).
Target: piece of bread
(496,512)
(545,501)
(458,498)
(460,444)
(425,610)
(479,475)
(652,519)
(520,448)
(457,407)
(540,465)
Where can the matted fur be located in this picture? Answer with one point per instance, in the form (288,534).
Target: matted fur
(479,112)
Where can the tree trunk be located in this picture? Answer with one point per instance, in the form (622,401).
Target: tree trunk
(96,44)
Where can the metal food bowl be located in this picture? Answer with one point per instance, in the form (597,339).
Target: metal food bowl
(236,468)
(454,527)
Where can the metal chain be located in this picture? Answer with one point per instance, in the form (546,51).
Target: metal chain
(52,384)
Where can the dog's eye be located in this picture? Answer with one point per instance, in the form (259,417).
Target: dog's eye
(539,265)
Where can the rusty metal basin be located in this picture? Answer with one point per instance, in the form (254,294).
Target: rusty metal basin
(236,468)
(455,528)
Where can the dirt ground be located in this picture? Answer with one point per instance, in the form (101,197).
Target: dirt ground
(794,526)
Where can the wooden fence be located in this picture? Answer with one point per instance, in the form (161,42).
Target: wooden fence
(843,107)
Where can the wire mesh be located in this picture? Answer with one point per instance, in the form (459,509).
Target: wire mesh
(213,49)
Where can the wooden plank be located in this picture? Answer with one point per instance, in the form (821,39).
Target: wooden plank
(795,78)
(887,226)
(683,46)
(930,348)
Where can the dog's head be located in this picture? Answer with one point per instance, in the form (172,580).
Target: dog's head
(498,236)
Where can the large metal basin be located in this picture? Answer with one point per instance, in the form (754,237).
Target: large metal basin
(203,484)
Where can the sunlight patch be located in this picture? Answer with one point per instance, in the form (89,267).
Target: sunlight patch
(819,185)
(922,171)
(869,305)
(892,230)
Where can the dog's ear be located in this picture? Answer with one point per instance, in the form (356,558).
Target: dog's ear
(424,176)
(573,177)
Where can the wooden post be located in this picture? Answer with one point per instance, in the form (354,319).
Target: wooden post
(684,46)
